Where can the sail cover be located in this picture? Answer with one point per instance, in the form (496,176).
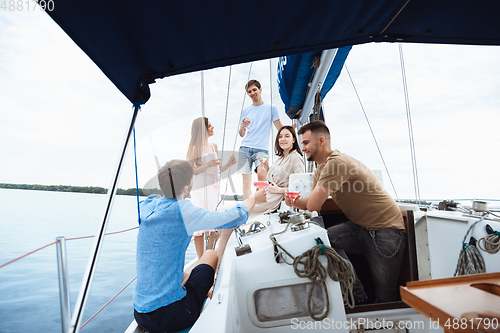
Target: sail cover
(136,42)
(296,71)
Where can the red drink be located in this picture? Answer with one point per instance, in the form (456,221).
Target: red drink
(293,195)
(261,185)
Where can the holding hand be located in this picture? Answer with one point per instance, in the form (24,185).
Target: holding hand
(289,201)
(260,196)
(212,163)
(232,160)
(245,122)
(264,163)
(275,189)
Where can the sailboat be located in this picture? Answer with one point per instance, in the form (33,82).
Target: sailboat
(136,44)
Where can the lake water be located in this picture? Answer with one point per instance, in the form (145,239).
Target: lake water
(29,290)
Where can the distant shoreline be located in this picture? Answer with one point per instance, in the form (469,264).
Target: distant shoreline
(78,189)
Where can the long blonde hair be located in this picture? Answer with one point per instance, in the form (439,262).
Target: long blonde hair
(197,143)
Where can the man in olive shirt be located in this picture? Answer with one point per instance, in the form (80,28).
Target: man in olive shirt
(375,227)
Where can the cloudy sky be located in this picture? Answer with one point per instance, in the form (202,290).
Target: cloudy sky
(63,122)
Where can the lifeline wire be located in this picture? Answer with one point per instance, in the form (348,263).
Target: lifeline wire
(68,239)
(105,305)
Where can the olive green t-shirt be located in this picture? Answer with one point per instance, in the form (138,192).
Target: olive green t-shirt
(358,192)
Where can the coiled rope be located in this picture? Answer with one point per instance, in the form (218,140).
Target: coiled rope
(490,243)
(470,260)
(339,269)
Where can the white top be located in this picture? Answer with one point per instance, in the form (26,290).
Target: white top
(261,121)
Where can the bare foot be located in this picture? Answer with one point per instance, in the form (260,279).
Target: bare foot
(210,292)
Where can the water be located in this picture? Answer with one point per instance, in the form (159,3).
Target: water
(29,291)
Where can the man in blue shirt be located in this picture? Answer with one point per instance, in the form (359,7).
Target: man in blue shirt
(255,128)
(166,299)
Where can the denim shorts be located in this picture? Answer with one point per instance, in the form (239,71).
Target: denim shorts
(249,156)
(183,313)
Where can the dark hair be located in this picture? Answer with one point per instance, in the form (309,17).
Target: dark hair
(316,127)
(182,173)
(252,83)
(278,150)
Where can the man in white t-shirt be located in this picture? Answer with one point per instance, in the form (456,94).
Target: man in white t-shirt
(255,128)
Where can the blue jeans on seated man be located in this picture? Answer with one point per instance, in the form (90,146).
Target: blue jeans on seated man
(383,249)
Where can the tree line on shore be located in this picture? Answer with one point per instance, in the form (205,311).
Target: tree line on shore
(78,189)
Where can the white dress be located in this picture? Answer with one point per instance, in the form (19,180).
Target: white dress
(205,191)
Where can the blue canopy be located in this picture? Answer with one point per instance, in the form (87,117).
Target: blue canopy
(136,42)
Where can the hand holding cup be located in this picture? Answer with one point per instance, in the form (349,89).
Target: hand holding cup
(245,122)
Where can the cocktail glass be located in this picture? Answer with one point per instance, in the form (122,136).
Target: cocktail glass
(294,195)
(261,184)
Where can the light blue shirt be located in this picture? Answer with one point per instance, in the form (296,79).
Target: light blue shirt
(164,235)
(261,121)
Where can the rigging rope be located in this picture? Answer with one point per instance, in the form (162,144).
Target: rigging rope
(236,136)
(338,268)
(136,181)
(225,115)
(470,260)
(410,127)
(223,143)
(272,127)
(203,135)
(371,130)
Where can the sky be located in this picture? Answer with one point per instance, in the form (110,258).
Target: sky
(63,122)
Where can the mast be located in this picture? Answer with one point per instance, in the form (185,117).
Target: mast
(326,61)
(320,75)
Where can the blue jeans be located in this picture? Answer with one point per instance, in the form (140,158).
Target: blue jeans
(383,249)
(248,156)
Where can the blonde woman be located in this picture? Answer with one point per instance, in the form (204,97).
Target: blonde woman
(205,193)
